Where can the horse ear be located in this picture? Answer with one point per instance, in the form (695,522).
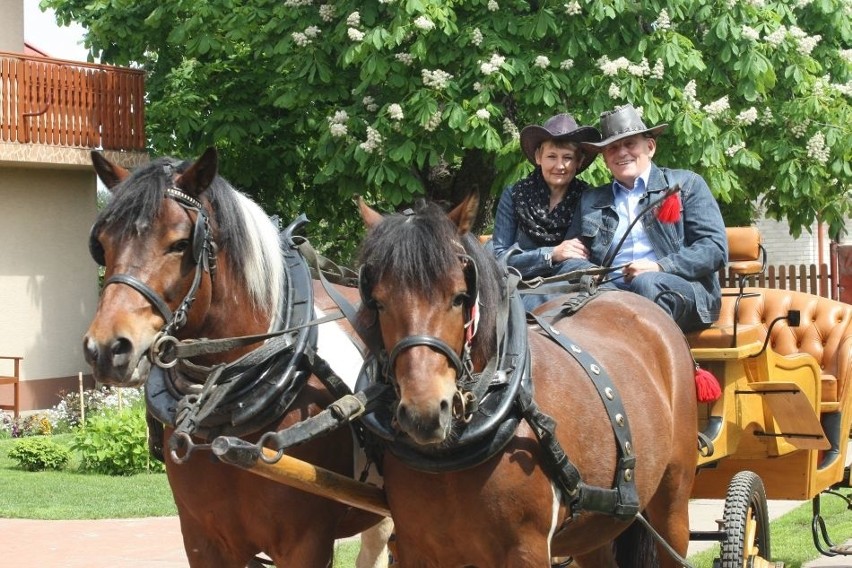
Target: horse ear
(370,216)
(465,212)
(198,177)
(109,173)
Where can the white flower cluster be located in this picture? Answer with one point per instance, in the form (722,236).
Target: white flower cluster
(370,104)
(817,149)
(777,37)
(405,58)
(492,65)
(798,130)
(689,95)
(750,33)
(478,87)
(327,12)
(424,23)
(611,68)
(437,79)
(803,3)
(510,129)
(355,34)
(639,70)
(337,124)
(846,55)
(844,88)
(747,117)
(757,3)
(483,114)
(493,6)
(807,44)
(542,62)
(731,150)
(395,112)
(614,91)
(354,19)
(766,117)
(297,3)
(304,38)
(659,70)
(566,64)
(573,9)
(373,142)
(434,122)
(476,37)
(663,22)
(716,108)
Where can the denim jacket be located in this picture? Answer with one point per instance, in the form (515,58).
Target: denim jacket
(533,260)
(694,248)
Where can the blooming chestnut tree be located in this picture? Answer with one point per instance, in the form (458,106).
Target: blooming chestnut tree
(313,101)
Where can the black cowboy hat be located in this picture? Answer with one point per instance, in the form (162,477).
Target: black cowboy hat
(620,123)
(559,127)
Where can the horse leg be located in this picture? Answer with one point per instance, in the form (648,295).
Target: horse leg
(202,551)
(668,513)
(599,558)
(374,546)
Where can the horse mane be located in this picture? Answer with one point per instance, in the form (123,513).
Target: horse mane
(418,250)
(242,230)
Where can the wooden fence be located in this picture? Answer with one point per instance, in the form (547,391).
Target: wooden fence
(813,279)
(66,103)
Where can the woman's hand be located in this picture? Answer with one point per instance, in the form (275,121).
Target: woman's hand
(569,249)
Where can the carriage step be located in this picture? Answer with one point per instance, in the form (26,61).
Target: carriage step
(841,550)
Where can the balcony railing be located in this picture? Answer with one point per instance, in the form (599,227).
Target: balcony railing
(67,103)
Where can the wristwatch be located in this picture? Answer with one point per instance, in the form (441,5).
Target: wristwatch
(548,256)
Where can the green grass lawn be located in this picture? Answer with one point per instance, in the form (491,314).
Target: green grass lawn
(68,494)
(71,495)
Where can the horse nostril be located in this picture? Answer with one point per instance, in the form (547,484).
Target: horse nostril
(401,412)
(90,351)
(121,349)
(445,406)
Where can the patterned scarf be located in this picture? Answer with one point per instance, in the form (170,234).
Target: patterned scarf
(531,197)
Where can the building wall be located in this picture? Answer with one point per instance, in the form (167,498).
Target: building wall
(12,26)
(48,283)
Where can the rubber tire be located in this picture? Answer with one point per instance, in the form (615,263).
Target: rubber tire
(746,500)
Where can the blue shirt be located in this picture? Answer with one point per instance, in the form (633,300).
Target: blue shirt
(637,245)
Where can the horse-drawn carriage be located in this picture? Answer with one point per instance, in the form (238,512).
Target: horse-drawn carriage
(502,442)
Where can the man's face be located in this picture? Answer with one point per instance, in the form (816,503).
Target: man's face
(629,157)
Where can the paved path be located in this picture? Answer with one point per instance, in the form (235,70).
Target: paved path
(156,542)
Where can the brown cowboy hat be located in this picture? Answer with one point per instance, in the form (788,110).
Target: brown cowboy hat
(620,123)
(559,127)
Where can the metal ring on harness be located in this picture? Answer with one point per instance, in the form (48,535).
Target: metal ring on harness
(464,405)
(156,351)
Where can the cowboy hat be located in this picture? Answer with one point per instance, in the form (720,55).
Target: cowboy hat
(561,127)
(620,123)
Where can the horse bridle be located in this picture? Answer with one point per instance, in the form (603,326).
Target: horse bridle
(463,364)
(204,257)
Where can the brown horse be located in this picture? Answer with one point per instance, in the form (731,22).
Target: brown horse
(436,296)
(187,255)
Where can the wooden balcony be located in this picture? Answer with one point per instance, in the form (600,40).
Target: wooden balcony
(67,103)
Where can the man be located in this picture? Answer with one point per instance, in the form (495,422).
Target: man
(673,253)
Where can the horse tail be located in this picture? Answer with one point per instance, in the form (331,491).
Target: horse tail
(636,548)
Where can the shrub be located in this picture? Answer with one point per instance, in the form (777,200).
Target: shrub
(66,414)
(115,443)
(38,453)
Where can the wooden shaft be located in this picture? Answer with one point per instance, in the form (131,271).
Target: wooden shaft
(319,481)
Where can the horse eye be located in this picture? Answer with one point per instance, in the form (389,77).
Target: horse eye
(460,299)
(179,246)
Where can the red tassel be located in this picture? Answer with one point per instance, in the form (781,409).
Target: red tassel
(669,211)
(706,386)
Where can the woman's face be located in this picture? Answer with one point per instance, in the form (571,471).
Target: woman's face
(559,162)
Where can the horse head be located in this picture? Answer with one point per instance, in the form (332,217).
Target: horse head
(159,240)
(422,274)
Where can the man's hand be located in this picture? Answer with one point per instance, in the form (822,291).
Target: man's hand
(569,249)
(636,268)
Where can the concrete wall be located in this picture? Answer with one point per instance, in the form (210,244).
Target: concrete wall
(12,26)
(48,283)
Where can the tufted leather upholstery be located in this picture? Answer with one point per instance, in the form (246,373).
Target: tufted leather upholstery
(824,331)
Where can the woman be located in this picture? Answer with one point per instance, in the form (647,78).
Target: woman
(535,212)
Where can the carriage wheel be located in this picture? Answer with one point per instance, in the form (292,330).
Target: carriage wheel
(746,523)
